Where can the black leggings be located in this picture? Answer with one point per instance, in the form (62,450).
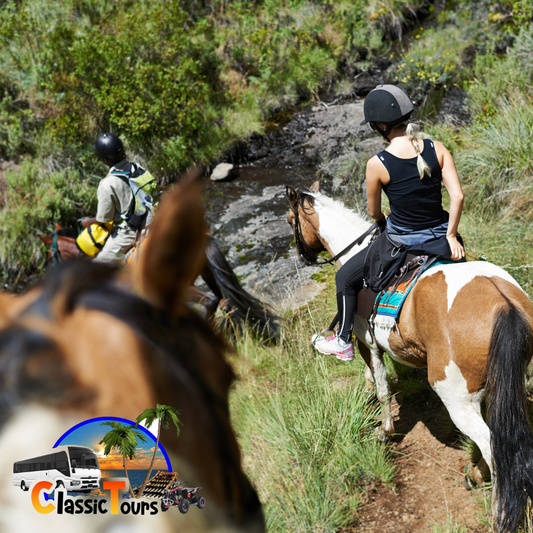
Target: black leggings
(349,281)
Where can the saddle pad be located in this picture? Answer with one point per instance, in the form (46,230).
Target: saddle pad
(390,304)
(133,254)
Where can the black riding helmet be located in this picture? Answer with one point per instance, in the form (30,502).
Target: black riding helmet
(109,149)
(389,105)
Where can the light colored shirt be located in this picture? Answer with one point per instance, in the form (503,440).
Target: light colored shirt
(114,199)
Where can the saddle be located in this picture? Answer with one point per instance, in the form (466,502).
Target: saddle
(398,287)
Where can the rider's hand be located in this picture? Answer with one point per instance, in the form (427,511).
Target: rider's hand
(87,221)
(458,252)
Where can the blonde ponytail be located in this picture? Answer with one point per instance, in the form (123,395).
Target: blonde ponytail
(423,168)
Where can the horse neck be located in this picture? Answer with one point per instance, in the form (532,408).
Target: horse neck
(339,226)
(67,247)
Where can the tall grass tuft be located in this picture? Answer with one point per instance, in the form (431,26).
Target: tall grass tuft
(307,428)
(497,166)
(451,525)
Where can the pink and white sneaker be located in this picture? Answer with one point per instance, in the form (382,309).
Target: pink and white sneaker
(333,345)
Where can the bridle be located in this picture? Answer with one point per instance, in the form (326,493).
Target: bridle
(54,251)
(304,249)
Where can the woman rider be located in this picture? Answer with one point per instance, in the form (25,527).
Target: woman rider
(411,172)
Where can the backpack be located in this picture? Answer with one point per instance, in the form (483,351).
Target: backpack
(144,189)
(382,261)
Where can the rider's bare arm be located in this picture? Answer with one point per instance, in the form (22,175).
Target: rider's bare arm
(376,175)
(450,179)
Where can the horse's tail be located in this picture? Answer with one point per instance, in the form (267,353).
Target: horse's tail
(243,306)
(511,437)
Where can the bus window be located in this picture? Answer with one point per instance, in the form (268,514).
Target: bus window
(83,458)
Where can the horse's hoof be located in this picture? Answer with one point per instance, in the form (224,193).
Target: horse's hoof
(380,434)
(467,483)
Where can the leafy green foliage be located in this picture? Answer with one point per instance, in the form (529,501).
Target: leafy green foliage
(180,82)
(178,85)
(432,61)
(37,194)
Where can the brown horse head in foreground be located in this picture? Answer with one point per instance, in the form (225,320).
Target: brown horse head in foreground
(96,342)
(471,325)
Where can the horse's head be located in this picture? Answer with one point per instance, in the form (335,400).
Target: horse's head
(95,342)
(62,244)
(304,221)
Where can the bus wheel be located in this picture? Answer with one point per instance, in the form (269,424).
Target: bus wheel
(23,486)
(60,485)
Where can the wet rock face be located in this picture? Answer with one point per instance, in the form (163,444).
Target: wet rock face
(248,218)
(311,135)
(331,127)
(364,82)
(248,215)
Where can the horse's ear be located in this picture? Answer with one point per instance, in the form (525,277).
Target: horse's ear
(46,240)
(315,186)
(292,195)
(173,254)
(58,226)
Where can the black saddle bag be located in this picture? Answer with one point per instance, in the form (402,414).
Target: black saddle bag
(382,261)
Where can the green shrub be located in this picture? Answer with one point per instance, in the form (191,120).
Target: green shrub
(40,193)
(496,163)
(496,77)
(433,60)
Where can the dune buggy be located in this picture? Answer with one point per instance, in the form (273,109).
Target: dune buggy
(181,497)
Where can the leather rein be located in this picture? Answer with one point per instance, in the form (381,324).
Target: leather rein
(303,248)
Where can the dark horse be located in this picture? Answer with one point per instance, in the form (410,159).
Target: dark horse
(238,305)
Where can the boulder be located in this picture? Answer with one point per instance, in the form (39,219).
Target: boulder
(221,172)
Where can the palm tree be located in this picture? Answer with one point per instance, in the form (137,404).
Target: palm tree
(164,414)
(124,439)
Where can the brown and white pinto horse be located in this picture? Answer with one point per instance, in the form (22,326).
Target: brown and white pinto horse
(471,325)
(93,341)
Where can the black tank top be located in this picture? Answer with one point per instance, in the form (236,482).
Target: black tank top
(415,203)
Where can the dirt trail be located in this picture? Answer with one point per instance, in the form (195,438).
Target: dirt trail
(429,482)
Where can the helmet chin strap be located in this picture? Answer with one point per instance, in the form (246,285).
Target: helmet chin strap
(388,128)
(384,133)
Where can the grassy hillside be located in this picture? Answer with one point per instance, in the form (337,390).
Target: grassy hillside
(179,81)
(306,425)
(278,412)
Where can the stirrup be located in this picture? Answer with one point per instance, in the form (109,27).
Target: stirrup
(322,332)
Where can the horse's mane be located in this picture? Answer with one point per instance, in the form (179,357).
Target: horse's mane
(318,200)
(306,195)
(67,232)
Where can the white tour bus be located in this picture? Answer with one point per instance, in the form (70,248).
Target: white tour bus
(75,468)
